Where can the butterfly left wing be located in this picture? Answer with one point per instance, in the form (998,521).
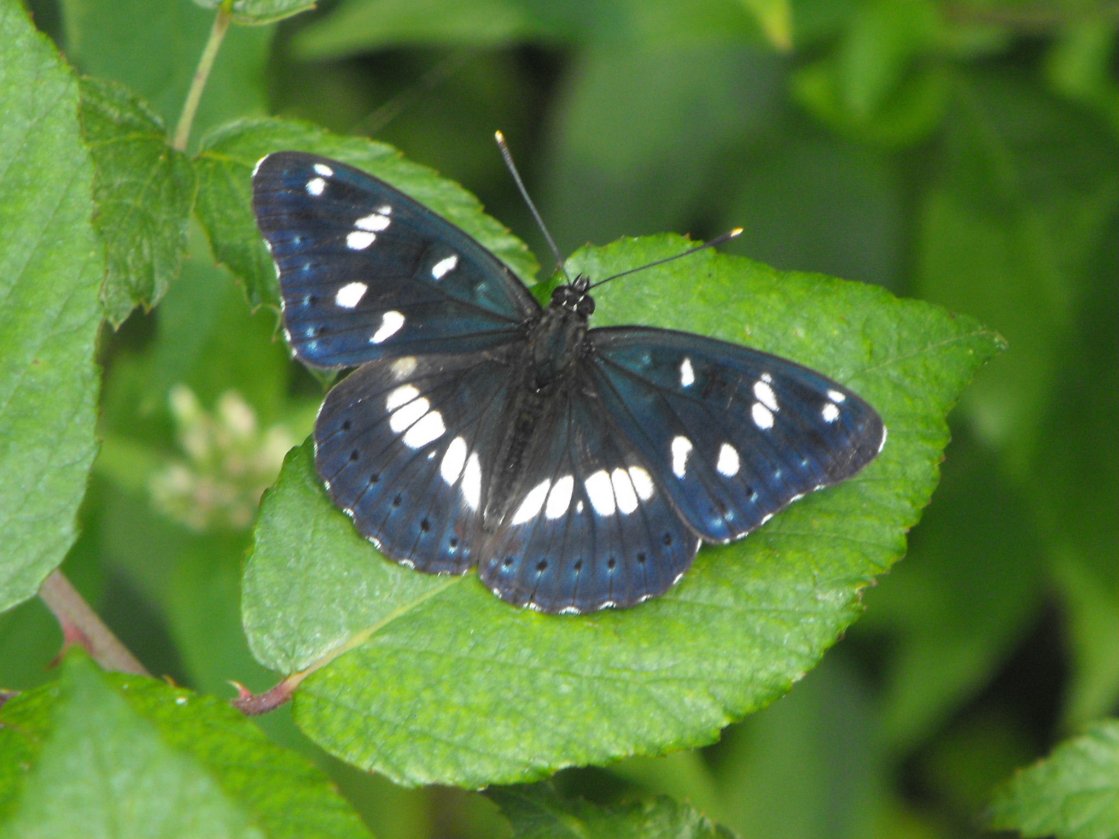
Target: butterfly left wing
(367,272)
(734,434)
(406,449)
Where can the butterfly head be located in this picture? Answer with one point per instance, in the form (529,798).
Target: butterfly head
(574,297)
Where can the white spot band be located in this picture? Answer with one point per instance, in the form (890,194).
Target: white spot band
(728,463)
(681,448)
(600,491)
(441,268)
(391,321)
(762,416)
(350,294)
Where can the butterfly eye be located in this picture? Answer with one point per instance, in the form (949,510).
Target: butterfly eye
(565,297)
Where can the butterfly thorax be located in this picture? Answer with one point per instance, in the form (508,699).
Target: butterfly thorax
(556,340)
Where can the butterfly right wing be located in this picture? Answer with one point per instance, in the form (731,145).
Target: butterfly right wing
(735,434)
(406,448)
(367,272)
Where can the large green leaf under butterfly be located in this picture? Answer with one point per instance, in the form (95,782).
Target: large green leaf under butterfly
(430,679)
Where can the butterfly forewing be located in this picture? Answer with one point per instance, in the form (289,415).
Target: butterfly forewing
(738,434)
(587,526)
(366,272)
(406,447)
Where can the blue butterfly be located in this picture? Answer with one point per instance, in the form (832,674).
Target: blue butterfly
(578,468)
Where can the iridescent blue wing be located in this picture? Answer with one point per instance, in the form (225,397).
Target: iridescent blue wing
(732,435)
(366,272)
(587,525)
(407,447)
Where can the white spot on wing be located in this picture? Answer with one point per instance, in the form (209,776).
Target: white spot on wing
(453,460)
(764,394)
(762,416)
(350,294)
(623,491)
(681,448)
(315,186)
(836,396)
(687,373)
(324,170)
(728,462)
(401,396)
(408,415)
(428,429)
(601,492)
(404,367)
(534,502)
(559,499)
(472,481)
(443,266)
(359,240)
(642,482)
(391,321)
(374,222)
(830,412)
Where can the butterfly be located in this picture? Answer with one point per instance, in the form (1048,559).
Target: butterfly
(578,469)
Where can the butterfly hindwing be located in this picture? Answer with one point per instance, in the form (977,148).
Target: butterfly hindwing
(406,447)
(737,434)
(587,526)
(367,272)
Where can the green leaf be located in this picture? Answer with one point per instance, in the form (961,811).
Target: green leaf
(154,48)
(225,167)
(908,116)
(1072,794)
(879,84)
(537,812)
(355,27)
(821,205)
(1022,202)
(884,39)
(776,20)
(49,275)
(950,620)
(98,754)
(648,175)
(143,191)
(256,12)
(811,765)
(407,665)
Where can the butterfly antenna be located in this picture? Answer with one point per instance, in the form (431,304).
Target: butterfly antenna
(378,119)
(712,243)
(512,167)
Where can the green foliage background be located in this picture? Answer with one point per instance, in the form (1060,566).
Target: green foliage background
(961,153)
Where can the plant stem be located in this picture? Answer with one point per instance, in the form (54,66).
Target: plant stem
(81,625)
(201,74)
(254,704)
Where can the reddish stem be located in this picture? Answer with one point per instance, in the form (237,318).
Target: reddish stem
(81,625)
(254,704)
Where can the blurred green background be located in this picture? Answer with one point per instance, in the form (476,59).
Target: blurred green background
(966,153)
